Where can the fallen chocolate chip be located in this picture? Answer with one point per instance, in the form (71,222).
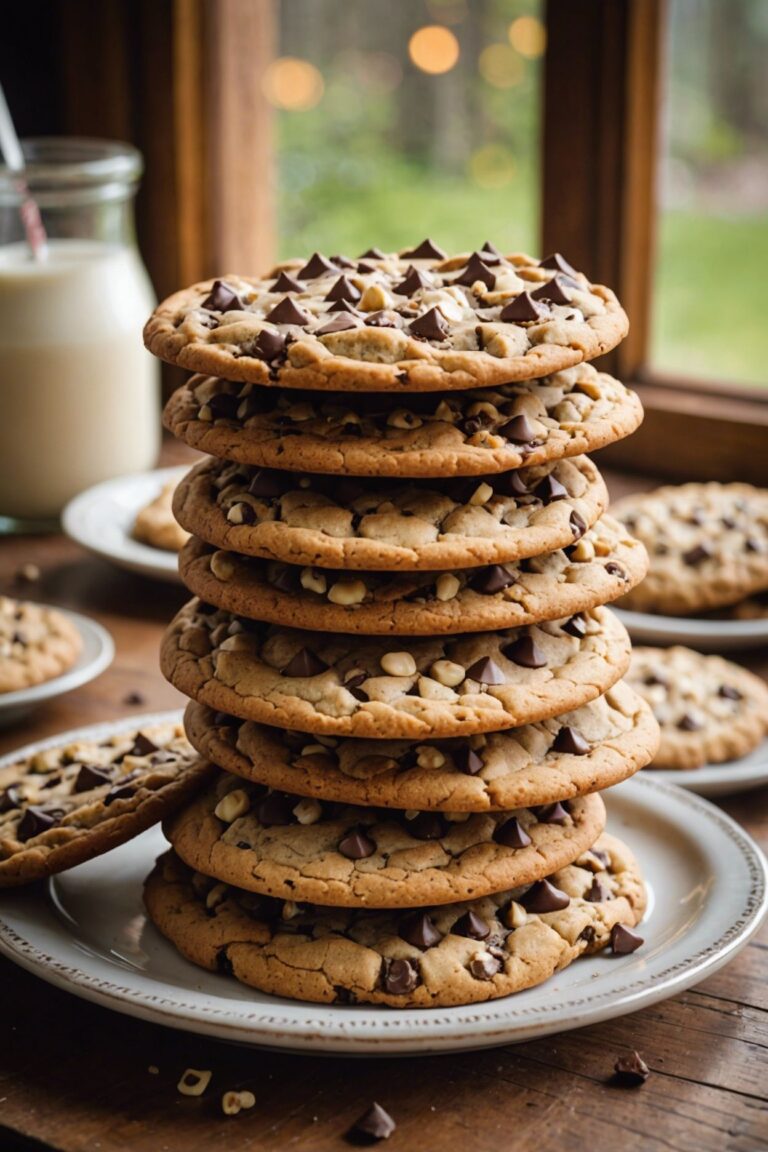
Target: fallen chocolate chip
(143,746)
(269,345)
(427,250)
(544,897)
(466,760)
(511,834)
(597,893)
(35,821)
(268,483)
(519,430)
(288,312)
(728,692)
(420,930)
(474,270)
(570,741)
(357,845)
(315,267)
(430,326)
(576,627)
(484,967)
(375,1124)
(413,281)
(493,579)
(614,569)
(304,664)
(578,525)
(552,291)
(275,809)
(134,698)
(624,940)
(550,489)
(399,976)
(222,298)
(557,262)
(688,723)
(486,671)
(472,926)
(286,283)
(552,813)
(697,555)
(91,776)
(341,322)
(522,309)
(525,653)
(427,826)
(343,289)
(630,1071)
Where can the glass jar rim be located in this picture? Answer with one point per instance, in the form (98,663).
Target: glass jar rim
(75,166)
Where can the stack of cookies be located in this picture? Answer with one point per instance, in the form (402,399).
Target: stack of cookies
(397,653)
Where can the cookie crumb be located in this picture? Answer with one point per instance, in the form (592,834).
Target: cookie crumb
(194,1082)
(630,1071)
(153,1070)
(234,1102)
(375,1124)
(27,574)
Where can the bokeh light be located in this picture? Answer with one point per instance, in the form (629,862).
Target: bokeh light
(293,84)
(492,166)
(501,66)
(434,49)
(528,36)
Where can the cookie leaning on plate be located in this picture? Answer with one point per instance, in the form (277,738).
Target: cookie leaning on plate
(67,804)
(436,957)
(593,747)
(418,434)
(156,525)
(37,643)
(414,320)
(392,687)
(709,709)
(596,570)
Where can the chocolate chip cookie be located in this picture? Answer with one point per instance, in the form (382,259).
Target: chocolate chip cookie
(596,570)
(709,709)
(416,320)
(156,525)
(37,643)
(593,747)
(420,434)
(392,688)
(74,800)
(426,958)
(353,523)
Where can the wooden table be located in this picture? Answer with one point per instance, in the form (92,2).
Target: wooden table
(74,1076)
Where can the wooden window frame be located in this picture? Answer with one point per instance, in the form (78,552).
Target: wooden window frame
(602,89)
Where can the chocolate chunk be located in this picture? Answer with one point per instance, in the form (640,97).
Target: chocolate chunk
(143,746)
(550,489)
(268,346)
(624,940)
(222,298)
(728,692)
(120,792)
(485,671)
(357,845)
(275,808)
(413,281)
(342,262)
(466,760)
(287,312)
(493,579)
(656,678)
(224,405)
(544,897)
(551,291)
(557,262)
(344,306)
(688,723)
(37,820)
(341,322)
(571,741)
(427,826)
(697,555)
(304,664)
(430,326)
(519,430)
(491,250)
(472,926)
(343,289)
(373,254)
(425,251)
(525,653)
(90,777)
(286,283)
(375,1124)
(514,485)
(614,569)
(383,319)
(134,698)
(315,267)
(484,967)
(511,834)
(399,976)
(630,1071)
(474,270)
(578,525)
(268,483)
(552,813)
(10,799)
(728,522)
(286,578)
(597,893)
(522,309)
(420,930)
(752,545)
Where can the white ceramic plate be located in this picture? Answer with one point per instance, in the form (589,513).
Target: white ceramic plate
(87,933)
(96,654)
(721,779)
(102,518)
(706,635)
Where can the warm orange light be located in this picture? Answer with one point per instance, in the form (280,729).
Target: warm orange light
(492,166)
(500,65)
(293,84)
(434,49)
(529,36)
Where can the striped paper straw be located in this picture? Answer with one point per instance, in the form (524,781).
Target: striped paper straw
(14,159)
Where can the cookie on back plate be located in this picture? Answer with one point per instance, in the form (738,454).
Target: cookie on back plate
(37,643)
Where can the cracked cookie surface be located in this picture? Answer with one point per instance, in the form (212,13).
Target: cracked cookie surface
(593,747)
(408,321)
(472,952)
(709,709)
(73,801)
(381,434)
(348,522)
(386,687)
(37,643)
(596,570)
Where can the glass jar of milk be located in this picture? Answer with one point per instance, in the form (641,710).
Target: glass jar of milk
(80,396)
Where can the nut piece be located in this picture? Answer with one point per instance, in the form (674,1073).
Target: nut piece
(398,664)
(308,811)
(584,550)
(237,513)
(194,1082)
(375,298)
(447,586)
(402,418)
(221,566)
(313,581)
(347,592)
(515,915)
(482,494)
(232,806)
(216,896)
(427,756)
(448,673)
(234,1102)
(205,414)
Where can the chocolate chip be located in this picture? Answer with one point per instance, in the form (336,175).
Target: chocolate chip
(486,671)
(578,525)
(275,808)
(519,430)
(315,267)
(697,555)
(383,319)
(614,569)
(688,723)
(143,746)
(269,345)
(375,1124)
(222,298)
(752,545)
(90,777)
(134,698)
(551,291)
(475,270)
(430,326)
(304,664)
(728,692)
(597,893)
(344,306)
(420,930)
(728,522)
(624,940)
(525,653)
(399,976)
(570,741)
(341,322)
(10,799)
(121,792)
(268,483)
(466,760)
(557,262)
(224,406)
(544,897)
(550,489)
(656,678)
(413,281)
(588,933)
(35,821)
(484,967)
(511,834)
(288,312)
(427,250)
(286,283)
(373,254)
(492,250)
(343,289)
(522,309)
(514,485)
(552,814)
(630,1071)
(342,262)
(427,826)
(357,845)
(472,926)
(493,579)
